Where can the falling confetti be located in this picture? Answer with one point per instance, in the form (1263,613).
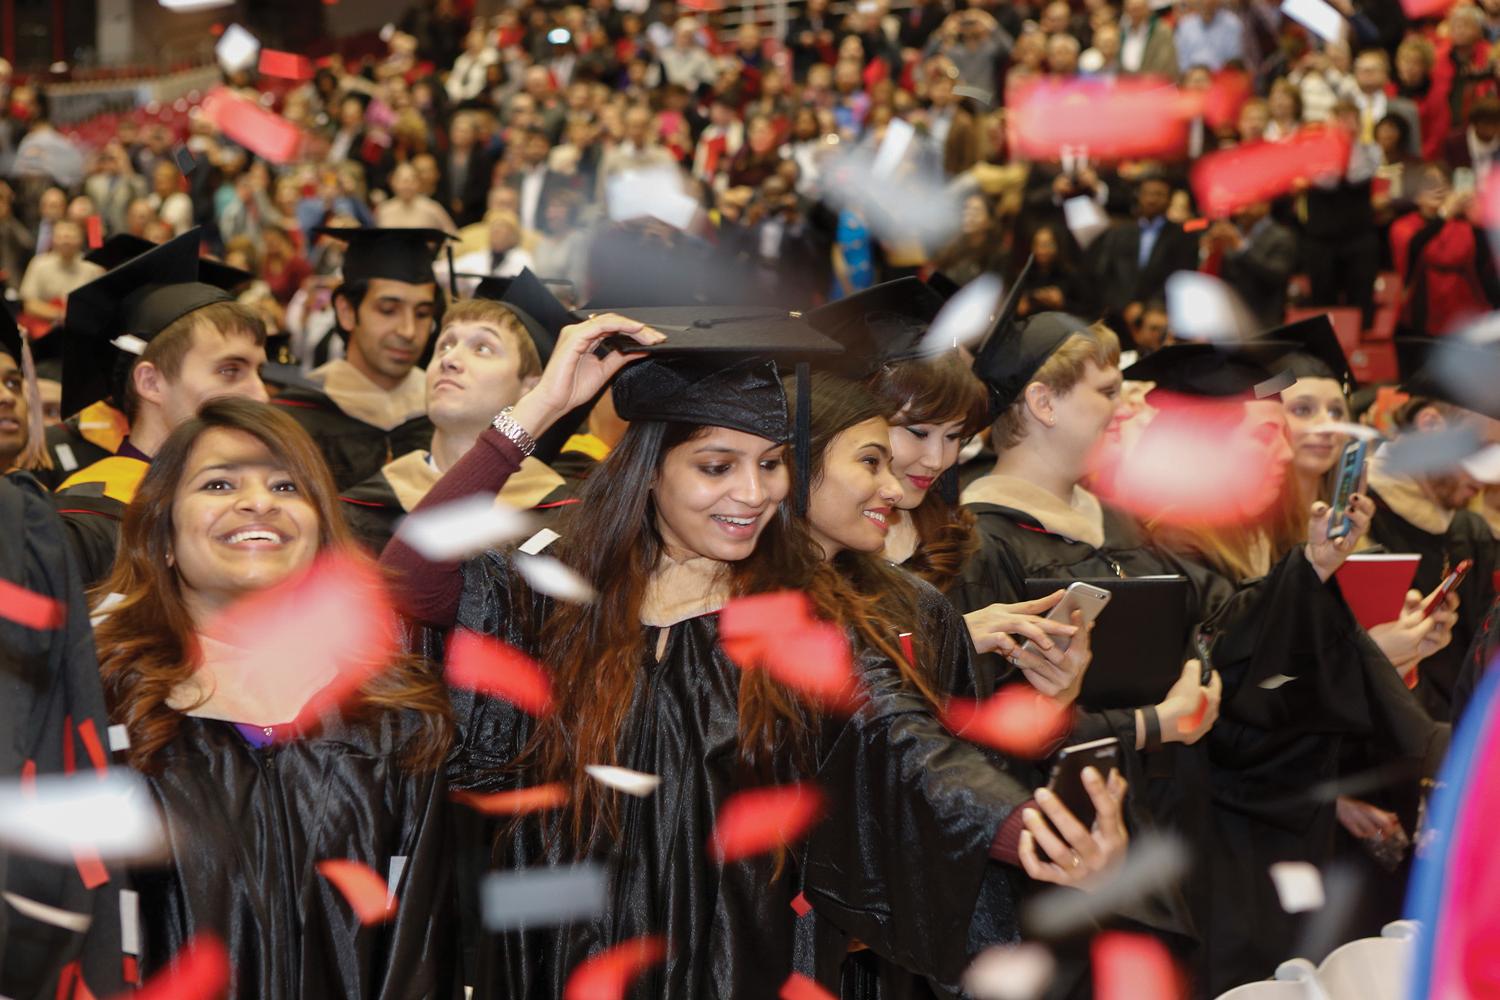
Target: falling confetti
(1017,719)
(764,819)
(366,892)
(608,975)
(479,663)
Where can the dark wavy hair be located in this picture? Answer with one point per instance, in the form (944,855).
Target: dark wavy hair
(148,645)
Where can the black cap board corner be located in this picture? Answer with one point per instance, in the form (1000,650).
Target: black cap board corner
(530,295)
(1217,371)
(393,254)
(1463,371)
(881,324)
(1316,340)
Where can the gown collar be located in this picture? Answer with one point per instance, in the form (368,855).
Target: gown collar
(367,402)
(1081,519)
(1405,497)
(678,591)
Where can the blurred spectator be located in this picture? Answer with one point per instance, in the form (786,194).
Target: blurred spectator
(1447,272)
(561,249)
(1209,34)
(1473,147)
(467,78)
(112,186)
(1340,239)
(167,199)
(977,248)
(1147,46)
(409,208)
(1372,98)
(16,241)
(466,171)
(973,41)
(52,275)
(1414,62)
(1255,255)
(1284,108)
(52,206)
(1054,282)
(1130,263)
(503,257)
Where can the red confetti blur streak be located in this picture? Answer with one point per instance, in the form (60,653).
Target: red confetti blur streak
(800,987)
(337,614)
(1416,10)
(366,892)
(478,663)
(28,608)
(608,975)
(1017,720)
(263,132)
(777,632)
(287,65)
(764,819)
(1228,180)
(1130,119)
(199,971)
(1133,967)
(538,798)
(1225,96)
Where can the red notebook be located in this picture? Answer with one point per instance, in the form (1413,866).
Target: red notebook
(1375,585)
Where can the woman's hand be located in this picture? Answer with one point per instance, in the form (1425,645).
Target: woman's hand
(1179,711)
(1063,852)
(1365,821)
(1411,638)
(1052,670)
(575,374)
(1327,555)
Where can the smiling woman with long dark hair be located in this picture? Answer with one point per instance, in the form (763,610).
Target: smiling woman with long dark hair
(238,500)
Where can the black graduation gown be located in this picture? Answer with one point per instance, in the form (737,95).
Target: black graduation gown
(373,507)
(246,828)
(49,690)
(1467,537)
(354,450)
(1480,655)
(730,929)
(92,522)
(70,451)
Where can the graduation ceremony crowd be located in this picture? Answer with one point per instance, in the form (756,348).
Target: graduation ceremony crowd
(633,501)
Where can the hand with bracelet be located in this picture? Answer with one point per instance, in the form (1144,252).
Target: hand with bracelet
(573,376)
(1176,718)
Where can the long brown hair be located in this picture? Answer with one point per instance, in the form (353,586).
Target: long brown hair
(148,645)
(936,391)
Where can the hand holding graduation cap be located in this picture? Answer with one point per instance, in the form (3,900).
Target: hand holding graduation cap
(575,374)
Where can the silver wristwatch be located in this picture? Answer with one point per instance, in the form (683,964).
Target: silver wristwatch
(518,435)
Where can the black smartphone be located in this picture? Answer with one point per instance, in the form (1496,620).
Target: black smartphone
(1066,781)
(1350,473)
(1449,585)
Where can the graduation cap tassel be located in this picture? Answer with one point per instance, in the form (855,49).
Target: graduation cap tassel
(34,455)
(803,439)
(452,273)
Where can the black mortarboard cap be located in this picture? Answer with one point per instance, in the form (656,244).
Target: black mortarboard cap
(10,330)
(881,324)
(112,317)
(394,254)
(123,247)
(1009,359)
(531,297)
(713,369)
(1316,340)
(1215,371)
(1461,370)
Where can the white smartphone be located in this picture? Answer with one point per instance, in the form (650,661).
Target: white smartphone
(1083,597)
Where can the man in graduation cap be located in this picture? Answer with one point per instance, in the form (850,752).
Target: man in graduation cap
(1455,399)
(485,357)
(157,336)
(371,406)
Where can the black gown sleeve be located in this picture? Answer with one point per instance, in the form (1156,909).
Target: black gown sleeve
(419,951)
(901,787)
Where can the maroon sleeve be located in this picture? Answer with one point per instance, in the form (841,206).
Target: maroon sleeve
(427,590)
(1007,845)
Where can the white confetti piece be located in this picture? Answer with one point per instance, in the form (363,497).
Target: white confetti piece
(1299,885)
(110,815)
(1364,432)
(1316,16)
(541,897)
(893,146)
(65,457)
(103,608)
(1010,972)
(1484,465)
(539,541)
(965,318)
(1275,681)
(549,576)
(237,49)
(1201,307)
(119,738)
(66,919)
(393,876)
(130,344)
(623,779)
(1084,219)
(657,194)
(1156,862)
(130,921)
(1430,453)
(462,528)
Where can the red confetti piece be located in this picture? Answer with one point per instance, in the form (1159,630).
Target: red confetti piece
(1197,462)
(1130,119)
(1224,98)
(287,65)
(90,869)
(1133,967)
(608,975)
(199,971)
(1228,180)
(1192,721)
(776,632)
(800,987)
(800,905)
(264,133)
(1017,720)
(1416,10)
(478,663)
(366,892)
(538,798)
(764,819)
(94,232)
(1195,225)
(28,608)
(335,616)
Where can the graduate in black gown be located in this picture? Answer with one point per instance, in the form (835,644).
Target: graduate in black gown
(1428,514)
(486,355)
(370,407)
(696,720)
(237,500)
